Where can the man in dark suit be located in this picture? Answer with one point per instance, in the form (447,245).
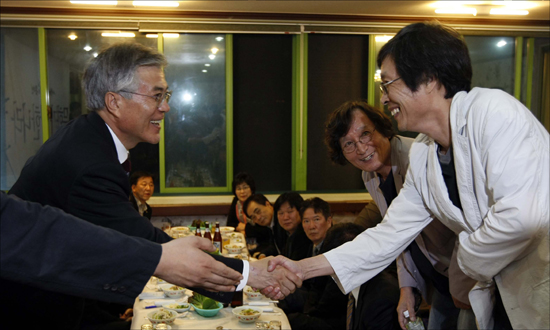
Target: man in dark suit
(142,189)
(79,170)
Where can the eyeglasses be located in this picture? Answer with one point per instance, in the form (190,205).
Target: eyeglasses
(384,86)
(242,188)
(158,97)
(365,138)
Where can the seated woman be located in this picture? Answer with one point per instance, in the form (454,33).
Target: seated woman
(243,187)
(287,209)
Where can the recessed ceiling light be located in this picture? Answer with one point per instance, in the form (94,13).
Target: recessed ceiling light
(508,11)
(156,3)
(207,64)
(382,38)
(219,38)
(214,50)
(204,70)
(72,37)
(95,54)
(109,3)
(212,56)
(501,43)
(151,35)
(87,48)
(119,34)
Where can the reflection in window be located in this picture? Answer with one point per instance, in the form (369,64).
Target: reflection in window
(492,62)
(20,118)
(195,138)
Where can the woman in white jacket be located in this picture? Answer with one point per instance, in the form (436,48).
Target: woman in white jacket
(481,166)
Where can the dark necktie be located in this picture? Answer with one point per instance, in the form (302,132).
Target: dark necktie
(127,165)
(349,314)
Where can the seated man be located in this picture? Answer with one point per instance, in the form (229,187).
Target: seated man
(287,207)
(269,235)
(142,189)
(316,221)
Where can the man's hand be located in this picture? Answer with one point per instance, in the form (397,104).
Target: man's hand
(275,284)
(184,263)
(406,302)
(292,266)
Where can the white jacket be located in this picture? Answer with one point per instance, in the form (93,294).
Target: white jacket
(501,155)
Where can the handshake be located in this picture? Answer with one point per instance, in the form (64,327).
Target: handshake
(183,263)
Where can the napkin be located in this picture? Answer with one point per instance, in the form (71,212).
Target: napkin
(151,295)
(257,303)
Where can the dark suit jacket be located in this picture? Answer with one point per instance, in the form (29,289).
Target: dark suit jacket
(298,246)
(148,211)
(270,242)
(77,170)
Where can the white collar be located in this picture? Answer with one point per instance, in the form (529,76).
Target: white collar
(121,150)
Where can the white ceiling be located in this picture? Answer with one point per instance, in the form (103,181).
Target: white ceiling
(369,8)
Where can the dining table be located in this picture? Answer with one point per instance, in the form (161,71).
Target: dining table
(153,298)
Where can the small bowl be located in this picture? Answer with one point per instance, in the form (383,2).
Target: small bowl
(234,248)
(208,312)
(173,306)
(173,314)
(170,293)
(247,318)
(251,294)
(226,229)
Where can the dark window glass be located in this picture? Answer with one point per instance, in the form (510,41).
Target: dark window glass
(263,109)
(337,72)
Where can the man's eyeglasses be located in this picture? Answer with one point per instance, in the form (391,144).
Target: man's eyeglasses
(384,86)
(365,138)
(158,97)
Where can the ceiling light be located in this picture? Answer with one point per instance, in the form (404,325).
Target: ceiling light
(212,56)
(95,54)
(214,50)
(171,35)
(111,3)
(501,43)
(119,34)
(219,38)
(72,37)
(508,11)
(382,38)
(151,35)
(204,70)
(457,10)
(515,4)
(87,48)
(187,97)
(156,3)
(207,64)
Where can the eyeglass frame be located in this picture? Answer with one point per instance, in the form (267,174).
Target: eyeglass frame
(159,99)
(371,134)
(384,86)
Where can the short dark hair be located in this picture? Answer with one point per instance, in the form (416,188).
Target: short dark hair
(256,198)
(135,176)
(243,177)
(294,200)
(339,234)
(339,123)
(318,205)
(430,50)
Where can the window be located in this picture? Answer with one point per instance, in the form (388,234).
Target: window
(21,117)
(337,72)
(195,127)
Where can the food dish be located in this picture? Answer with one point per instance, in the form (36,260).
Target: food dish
(234,248)
(247,314)
(172,291)
(252,294)
(162,315)
(226,229)
(178,306)
(208,312)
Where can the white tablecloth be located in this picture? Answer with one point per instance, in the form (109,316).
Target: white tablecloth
(193,320)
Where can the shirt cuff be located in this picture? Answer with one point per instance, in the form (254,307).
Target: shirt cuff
(246,268)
